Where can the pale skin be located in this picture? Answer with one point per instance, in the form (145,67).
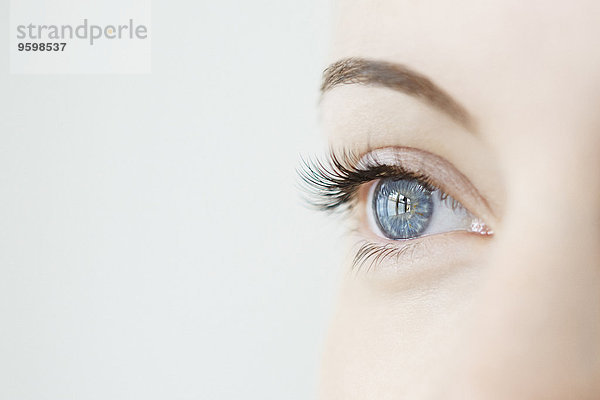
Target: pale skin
(514,315)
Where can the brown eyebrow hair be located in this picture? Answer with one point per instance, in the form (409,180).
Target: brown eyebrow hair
(397,77)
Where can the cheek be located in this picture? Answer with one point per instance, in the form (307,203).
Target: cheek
(387,334)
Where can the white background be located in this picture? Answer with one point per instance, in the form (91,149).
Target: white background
(152,242)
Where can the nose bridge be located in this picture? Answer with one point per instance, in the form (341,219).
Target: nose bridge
(553,195)
(535,330)
(552,180)
(553,198)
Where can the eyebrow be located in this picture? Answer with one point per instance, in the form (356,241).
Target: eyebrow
(397,77)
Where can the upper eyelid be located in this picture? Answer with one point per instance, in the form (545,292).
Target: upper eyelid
(433,166)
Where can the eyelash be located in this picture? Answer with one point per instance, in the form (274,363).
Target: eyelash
(332,184)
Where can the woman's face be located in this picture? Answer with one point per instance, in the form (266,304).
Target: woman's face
(497,105)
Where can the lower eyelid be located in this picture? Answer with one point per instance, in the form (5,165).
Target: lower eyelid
(425,255)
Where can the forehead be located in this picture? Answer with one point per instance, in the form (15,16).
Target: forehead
(497,58)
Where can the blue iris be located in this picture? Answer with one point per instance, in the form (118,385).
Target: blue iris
(402,207)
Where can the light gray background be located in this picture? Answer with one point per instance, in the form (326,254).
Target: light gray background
(104,56)
(152,242)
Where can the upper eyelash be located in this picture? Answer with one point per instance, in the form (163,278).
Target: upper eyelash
(333,182)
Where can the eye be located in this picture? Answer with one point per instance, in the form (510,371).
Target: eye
(399,194)
(409,208)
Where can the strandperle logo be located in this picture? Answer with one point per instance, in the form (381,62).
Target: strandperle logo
(85,31)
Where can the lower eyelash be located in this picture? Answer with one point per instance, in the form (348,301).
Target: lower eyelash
(371,254)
